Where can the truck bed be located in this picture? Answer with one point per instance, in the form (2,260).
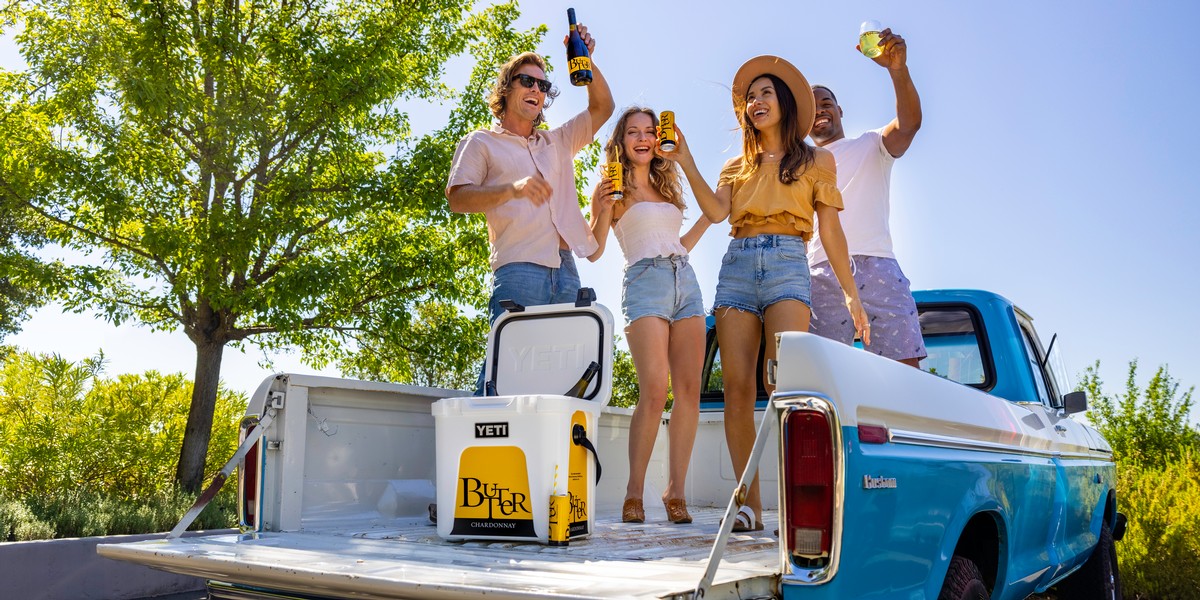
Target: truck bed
(404,558)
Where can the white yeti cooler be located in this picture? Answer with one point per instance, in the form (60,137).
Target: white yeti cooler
(501,458)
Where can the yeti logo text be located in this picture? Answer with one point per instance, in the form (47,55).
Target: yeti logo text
(475,492)
(548,357)
(491,430)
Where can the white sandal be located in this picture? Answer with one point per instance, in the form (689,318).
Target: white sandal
(745,520)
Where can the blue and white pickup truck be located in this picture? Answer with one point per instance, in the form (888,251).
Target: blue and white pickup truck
(965,479)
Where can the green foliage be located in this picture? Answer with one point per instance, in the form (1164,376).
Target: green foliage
(65,427)
(104,513)
(1158,554)
(224,162)
(625,383)
(1145,426)
(82,454)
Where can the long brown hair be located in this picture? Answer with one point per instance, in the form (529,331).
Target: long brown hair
(504,83)
(664,177)
(797,154)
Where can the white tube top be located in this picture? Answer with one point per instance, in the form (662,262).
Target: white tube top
(650,229)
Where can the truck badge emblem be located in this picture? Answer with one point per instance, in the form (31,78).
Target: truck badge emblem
(878,483)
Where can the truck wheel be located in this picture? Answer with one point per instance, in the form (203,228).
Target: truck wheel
(1099,576)
(963,581)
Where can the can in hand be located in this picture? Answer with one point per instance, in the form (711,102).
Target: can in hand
(666,131)
(614,172)
(560,520)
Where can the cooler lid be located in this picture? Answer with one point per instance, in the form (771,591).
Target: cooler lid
(547,349)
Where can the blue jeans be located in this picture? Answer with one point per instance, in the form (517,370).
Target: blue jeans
(530,284)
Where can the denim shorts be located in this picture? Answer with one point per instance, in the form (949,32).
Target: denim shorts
(663,287)
(887,297)
(762,270)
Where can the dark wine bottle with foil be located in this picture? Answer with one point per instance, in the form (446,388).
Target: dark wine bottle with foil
(578,60)
(581,386)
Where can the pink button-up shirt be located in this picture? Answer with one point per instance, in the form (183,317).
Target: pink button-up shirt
(518,230)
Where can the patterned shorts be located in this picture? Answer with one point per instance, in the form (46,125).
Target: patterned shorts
(887,298)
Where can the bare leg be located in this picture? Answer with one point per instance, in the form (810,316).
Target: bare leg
(687,360)
(912,362)
(648,343)
(738,334)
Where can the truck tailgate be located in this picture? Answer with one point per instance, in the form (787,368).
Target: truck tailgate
(406,559)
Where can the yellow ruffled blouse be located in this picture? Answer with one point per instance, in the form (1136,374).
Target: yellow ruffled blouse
(761,199)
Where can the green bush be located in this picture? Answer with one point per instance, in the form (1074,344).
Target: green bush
(1148,425)
(1158,553)
(81,454)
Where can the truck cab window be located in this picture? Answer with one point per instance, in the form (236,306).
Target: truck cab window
(953,346)
(1033,349)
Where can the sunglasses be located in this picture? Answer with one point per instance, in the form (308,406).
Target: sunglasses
(529,80)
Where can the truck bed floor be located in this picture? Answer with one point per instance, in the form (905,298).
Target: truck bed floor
(406,559)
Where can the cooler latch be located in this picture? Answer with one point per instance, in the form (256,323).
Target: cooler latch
(585,297)
(579,438)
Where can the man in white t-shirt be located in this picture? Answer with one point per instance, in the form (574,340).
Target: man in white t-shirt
(864,169)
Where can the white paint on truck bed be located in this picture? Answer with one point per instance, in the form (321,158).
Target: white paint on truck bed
(406,559)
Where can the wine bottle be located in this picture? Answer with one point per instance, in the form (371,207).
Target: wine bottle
(577,54)
(581,386)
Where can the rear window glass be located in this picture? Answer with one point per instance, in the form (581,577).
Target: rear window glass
(952,340)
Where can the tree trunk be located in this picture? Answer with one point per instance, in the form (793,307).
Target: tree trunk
(190,471)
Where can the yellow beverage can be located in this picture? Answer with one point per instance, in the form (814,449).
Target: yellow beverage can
(666,131)
(560,520)
(614,172)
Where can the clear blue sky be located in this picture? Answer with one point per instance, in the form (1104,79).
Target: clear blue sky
(1053,167)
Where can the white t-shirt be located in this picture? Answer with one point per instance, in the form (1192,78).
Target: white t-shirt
(864,173)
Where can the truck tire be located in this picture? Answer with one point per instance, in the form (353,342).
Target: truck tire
(963,581)
(1099,577)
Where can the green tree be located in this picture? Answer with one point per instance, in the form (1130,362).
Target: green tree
(224,162)
(67,429)
(1147,426)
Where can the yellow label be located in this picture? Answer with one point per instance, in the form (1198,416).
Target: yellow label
(580,63)
(560,508)
(614,172)
(666,128)
(493,493)
(578,472)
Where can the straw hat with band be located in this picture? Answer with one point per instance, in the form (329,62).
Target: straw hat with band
(797,84)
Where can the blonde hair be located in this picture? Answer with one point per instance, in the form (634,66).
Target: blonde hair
(664,177)
(504,83)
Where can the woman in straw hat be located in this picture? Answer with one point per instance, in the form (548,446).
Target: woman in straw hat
(770,194)
(664,311)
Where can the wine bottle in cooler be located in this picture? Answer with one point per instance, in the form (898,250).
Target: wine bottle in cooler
(578,60)
(581,386)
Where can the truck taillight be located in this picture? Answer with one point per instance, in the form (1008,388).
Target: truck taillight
(249,478)
(808,456)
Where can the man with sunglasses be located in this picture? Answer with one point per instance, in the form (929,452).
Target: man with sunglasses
(522,179)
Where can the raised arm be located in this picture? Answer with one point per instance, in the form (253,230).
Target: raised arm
(600,99)
(714,204)
(898,135)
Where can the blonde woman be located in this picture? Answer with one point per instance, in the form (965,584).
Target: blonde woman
(664,312)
